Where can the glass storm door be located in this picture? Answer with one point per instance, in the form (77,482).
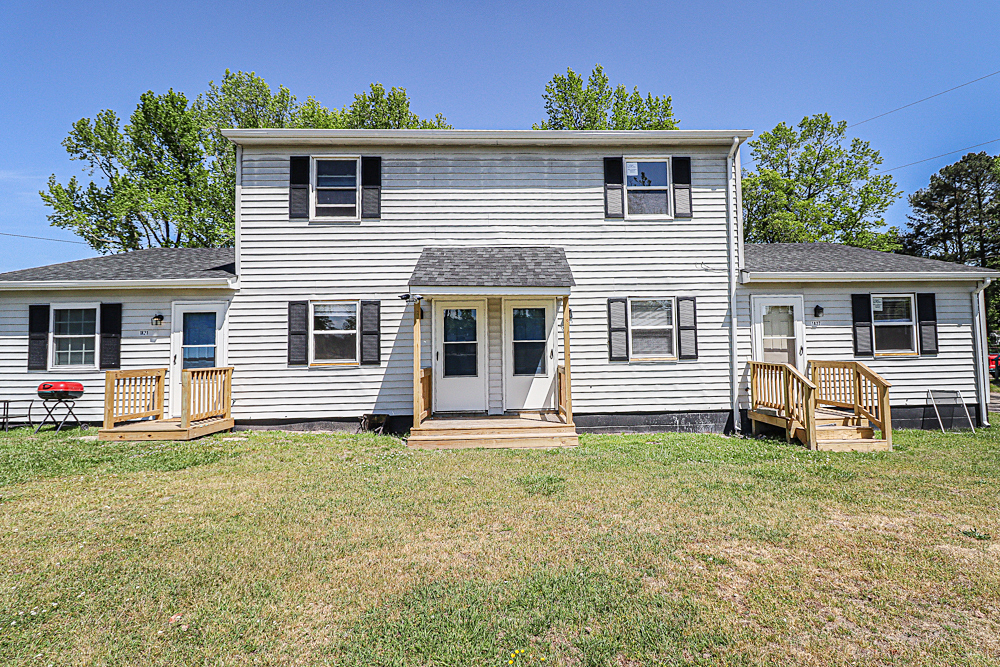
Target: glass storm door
(529,355)
(779,331)
(196,341)
(460,356)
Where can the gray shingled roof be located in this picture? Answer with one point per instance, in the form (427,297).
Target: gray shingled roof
(149,264)
(836,258)
(493,266)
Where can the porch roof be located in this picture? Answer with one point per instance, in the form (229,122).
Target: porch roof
(491,267)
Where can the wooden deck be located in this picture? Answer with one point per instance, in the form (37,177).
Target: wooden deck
(523,431)
(165,429)
(837,410)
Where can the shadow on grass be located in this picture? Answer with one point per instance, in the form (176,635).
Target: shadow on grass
(25,456)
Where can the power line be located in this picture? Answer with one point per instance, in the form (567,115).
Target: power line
(924,99)
(42,238)
(885,171)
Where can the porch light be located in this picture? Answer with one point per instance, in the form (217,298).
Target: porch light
(156,320)
(411,298)
(818,311)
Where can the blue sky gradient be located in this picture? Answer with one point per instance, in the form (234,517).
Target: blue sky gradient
(484,65)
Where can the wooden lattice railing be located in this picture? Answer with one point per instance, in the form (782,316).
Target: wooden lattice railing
(851,384)
(133,394)
(205,393)
(782,388)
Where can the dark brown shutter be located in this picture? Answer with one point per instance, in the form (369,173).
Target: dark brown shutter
(298,333)
(371,332)
(861,306)
(38,337)
(614,182)
(111,335)
(927,318)
(371,187)
(298,187)
(682,186)
(617,329)
(687,327)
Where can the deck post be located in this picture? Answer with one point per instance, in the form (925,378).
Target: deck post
(110,377)
(885,415)
(186,398)
(786,378)
(418,407)
(566,363)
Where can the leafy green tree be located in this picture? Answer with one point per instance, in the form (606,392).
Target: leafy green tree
(168,177)
(156,188)
(810,184)
(570,105)
(956,218)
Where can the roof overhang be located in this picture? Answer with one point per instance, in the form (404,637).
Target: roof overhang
(621,138)
(863,276)
(438,291)
(189,283)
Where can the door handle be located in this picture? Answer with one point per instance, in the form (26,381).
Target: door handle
(552,354)
(437,356)
(175,358)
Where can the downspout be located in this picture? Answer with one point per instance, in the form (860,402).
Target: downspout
(732,247)
(239,201)
(980,350)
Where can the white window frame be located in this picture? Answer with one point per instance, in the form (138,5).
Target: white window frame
(672,327)
(313,189)
(357,333)
(669,187)
(53,307)
(913,352)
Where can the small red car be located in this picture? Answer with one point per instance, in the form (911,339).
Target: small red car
(995,365)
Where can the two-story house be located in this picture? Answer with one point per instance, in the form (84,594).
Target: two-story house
(593,280)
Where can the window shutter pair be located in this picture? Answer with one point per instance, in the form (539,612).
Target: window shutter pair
(614,187)
(927,334)
(686,334)
(111,337)
(298,187)
(370,332)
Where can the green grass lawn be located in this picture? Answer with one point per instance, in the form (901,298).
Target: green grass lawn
(281,549)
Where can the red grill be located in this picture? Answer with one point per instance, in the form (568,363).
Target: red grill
(60,390)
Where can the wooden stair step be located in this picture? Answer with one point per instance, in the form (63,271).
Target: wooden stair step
(496,440)
(828,432)
(865,445)
(507,432)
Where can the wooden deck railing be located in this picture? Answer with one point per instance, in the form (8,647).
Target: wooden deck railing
(565,406)
(851,384)
(134,394)
(782,388)
(205,393)
(425,393)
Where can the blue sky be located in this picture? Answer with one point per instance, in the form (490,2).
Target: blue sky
(484,65)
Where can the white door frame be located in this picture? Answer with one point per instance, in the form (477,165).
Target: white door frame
(515,384)
(177,310)
(482,354)
(757,303)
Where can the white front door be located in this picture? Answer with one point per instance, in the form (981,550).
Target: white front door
(197,340)
(779,330)
(460,356)
(529,355)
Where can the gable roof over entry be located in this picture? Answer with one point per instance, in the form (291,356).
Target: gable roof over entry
(510,269)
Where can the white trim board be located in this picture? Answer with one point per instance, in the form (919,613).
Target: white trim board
(860,277)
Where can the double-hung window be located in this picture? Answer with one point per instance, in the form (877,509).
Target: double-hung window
(651,325)
(647,188)
(74,336)
(333,331)
(336,188)
(895,330)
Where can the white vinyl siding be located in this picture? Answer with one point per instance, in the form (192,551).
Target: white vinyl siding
(142,344)
(830,337)
(482,196)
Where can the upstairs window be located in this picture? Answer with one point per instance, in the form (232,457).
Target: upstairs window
(895,330)
(647,188)
(335,188)
(74,336)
